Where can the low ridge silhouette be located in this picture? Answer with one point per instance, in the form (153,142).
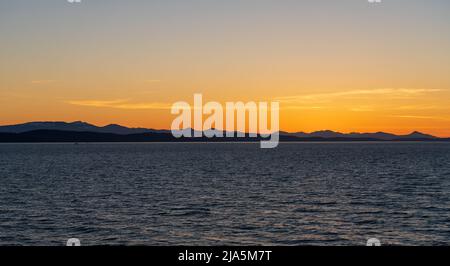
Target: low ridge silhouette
(84,132)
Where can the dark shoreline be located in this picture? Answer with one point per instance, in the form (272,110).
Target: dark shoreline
(57,136)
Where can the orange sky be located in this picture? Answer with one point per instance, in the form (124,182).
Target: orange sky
(347,66)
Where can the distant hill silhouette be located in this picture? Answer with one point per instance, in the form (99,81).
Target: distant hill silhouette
(77,126)
(85,132)
(378,135)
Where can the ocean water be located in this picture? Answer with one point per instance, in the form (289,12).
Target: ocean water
(225,194)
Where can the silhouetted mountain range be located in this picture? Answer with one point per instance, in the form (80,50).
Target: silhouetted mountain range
(377,135)
(77,126)
(85,132)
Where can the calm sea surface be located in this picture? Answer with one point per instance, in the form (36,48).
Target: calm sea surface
(225,194)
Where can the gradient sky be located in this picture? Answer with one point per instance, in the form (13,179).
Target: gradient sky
(342,65)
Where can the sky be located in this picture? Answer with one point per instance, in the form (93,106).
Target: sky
(343,65)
